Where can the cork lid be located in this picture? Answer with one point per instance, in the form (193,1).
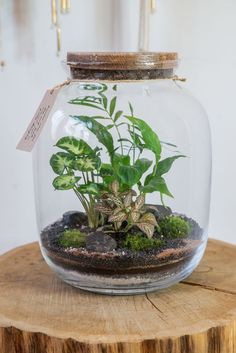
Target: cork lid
(110,61)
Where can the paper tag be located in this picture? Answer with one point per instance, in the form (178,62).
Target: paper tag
(36,125)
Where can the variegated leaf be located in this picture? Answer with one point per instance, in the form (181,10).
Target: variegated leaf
(115,187)
(116,200)
(118,225)
(124,193)
(89,189)
(103,209)
(148,218)
(146,228)
(87,164)
(104,195)
(128,199)
(119,217)
(74,146)
(61,161)
(65,182)
(117,210)
(134,216)
(139,202)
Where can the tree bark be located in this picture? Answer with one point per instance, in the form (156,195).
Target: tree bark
(41,314)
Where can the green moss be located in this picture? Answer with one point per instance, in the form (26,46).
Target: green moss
(72,238)
(140,242)
(174,227)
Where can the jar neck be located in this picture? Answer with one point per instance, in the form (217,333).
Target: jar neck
(120,75)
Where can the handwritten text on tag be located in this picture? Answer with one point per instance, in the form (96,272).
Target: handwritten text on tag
(36,125)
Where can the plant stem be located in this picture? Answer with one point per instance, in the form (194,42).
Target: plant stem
(121,142)
(162,200)
(131,147)
(117,130)
(139,154)
(154,169)
(92,212)
(84,177)
(87,177)
(92,177)
(89,208)
(82,199)
(134,146)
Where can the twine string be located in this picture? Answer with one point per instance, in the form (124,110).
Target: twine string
(68,82)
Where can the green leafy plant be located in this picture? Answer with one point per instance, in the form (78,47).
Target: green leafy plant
(72,238)
(174,227)
(78,157)
(138,242)
(105,189)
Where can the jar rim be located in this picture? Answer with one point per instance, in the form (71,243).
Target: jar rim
(125,61)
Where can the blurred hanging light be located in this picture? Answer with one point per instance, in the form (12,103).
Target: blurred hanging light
(54,12)
(68,5)
(147,7)
(64,9)
(2,63)
(153,5)
(65,6)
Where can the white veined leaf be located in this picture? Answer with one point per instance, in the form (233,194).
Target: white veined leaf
(139,203)
(115,187)
(87,164)
(148,218)
(102,209)
(146,228)
(135,216)
(65,182)
(128,199)
(74,146)
(119,217)
(60,161)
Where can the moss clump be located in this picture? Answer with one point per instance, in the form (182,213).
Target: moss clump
(72,238)
(139,242)
(174,227)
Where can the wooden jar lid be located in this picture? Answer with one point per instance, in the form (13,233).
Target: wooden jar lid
(122,61)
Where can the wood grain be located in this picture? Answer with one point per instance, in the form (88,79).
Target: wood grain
(123,60)
(41,314)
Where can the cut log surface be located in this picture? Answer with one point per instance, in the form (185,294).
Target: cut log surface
(41,314)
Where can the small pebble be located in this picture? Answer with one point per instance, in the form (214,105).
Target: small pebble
(100,242)
(74,219)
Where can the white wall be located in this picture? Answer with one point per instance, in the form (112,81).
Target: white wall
(203,32)
(22,84)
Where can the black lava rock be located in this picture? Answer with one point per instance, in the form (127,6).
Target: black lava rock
(74,219)
(159,211)
(100,242)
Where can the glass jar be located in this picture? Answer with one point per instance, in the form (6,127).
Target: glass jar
(122,175)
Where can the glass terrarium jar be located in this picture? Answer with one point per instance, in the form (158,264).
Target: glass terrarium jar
(122,175)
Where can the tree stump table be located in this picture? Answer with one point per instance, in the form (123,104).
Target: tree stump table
(41,314)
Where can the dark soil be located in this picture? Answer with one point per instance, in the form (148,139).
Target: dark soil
(121,260)
(114,75)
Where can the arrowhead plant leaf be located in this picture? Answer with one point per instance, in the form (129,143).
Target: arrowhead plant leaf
(87,163)
(65,182)
(61,161)
(74,146)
